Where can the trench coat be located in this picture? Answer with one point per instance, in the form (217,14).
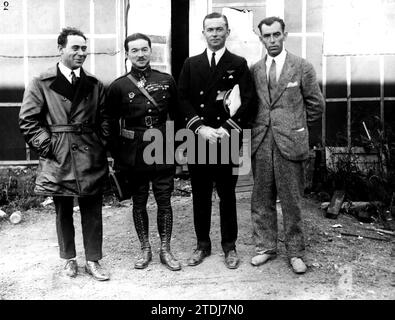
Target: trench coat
(68,131)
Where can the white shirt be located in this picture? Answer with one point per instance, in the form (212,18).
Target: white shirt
(67,71)
(280,60)
(218,55)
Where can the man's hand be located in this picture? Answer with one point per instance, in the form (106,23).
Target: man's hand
(222,132)
(209,134)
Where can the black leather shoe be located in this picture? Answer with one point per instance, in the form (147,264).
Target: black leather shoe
(96,271)
(198,257)
(144,259)
(71,268)
(169,261)
(232,261)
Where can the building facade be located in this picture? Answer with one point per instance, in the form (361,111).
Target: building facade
(357,75)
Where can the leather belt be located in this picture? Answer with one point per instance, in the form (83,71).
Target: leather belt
(148,121)
(74,128)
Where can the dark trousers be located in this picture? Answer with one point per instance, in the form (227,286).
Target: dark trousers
(203,178)
(91,221)
(162,187)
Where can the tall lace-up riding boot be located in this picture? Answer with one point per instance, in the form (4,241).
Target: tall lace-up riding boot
(140,218)
(165,223)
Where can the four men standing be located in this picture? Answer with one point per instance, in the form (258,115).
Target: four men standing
(65,119)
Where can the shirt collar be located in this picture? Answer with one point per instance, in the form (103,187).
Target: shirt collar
(66,71)
(141,73)
(218,54)
(280,58)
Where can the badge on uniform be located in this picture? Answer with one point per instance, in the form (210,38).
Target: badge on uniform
(131,95)
(230,73)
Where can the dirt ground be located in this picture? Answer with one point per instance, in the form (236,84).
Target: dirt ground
(340,267)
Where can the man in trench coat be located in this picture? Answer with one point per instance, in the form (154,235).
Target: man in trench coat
(62,118)
(289,102)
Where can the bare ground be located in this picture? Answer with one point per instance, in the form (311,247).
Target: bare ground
(339,267)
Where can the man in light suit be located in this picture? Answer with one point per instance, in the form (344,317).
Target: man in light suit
(289,101)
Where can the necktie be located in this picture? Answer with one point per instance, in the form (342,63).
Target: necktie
(73,78)
(272,78)
(212,64)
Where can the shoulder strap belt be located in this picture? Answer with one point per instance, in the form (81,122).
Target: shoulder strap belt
(142,89)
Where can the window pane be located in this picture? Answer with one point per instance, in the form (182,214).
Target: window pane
(389,123)
(11,74)
(365,76)
(8,18)
(43,16)
(369,113)
(357,18)
(389,76)
(336,83)
(42,48)
(314,16)
(314,54)
(294,45)
(293,15)
(12,142)
(105,16)
(80,20)
(106,68)
(336,124)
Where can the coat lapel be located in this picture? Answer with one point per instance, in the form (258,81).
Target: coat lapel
(285,77)
(62,86)
(261,80)
(203,67)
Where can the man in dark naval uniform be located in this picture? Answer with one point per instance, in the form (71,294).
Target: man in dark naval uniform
(202,85)
(133,112)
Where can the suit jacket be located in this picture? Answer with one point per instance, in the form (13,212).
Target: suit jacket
(297,103)
(199,90)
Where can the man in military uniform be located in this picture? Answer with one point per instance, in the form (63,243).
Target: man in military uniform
(133,112)
(202,83)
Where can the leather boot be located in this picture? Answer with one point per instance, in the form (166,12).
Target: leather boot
(140,218)
(165,223)
(144,259)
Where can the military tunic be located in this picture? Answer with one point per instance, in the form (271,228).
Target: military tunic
(132,110)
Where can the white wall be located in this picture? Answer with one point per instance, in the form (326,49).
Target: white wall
(153,18)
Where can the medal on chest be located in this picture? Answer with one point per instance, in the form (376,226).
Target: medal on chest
(141,82)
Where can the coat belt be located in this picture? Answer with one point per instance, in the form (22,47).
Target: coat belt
(74,128)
